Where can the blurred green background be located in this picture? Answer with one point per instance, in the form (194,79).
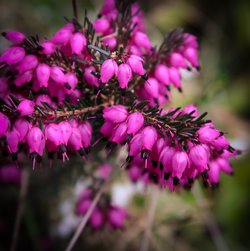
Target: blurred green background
(222,88)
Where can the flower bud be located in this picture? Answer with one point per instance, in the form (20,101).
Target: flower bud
(43,74)
(26,107)
(22,126)
(75,140)
(14,37)
(161,73)
(180,162)
(177,60)
(207,134)
(142,40)
(135,122)
(174,77)
(152,87)
(53,133)
(115,113)
(28,63)
(109,68)
(199,157)
(48,48)
(23,78)
(57,75)
(63,35)
(119,133)
(101,25)
(86,133)
(149,136)
(13,55)
(135,145)
(124,75)
(90,78)
(191,55)
(136,64)
(77,43)
(214,173)
(36,140)
(13,139)
(107,128)
(66,131)
(166,158)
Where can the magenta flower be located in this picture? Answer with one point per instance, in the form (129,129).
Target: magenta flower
(14,37)
(78,43)
(26,107)
(109,68)
(136,64)
(161,73)
(135,122)
(115,113)
(124,75)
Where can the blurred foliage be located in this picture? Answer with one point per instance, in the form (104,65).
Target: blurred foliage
(222,88)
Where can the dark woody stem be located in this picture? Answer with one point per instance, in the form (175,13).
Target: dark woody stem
(74,5)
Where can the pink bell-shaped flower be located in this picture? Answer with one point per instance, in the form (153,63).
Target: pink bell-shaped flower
(149,136)
(174,77)
(101,25)
(53,133)
(14,37)
(43,74)
(214,173)
(63,35)
(165,159)
(161,73)
(77,43)
(207,134)
(13,139)
(119,133)
(115,113)
(48,48)
(35,140)
(191,55)
(13,55)
(66,131)
(124,75)
(135,145)
(180,162)
(86,133)
(57,75)
(109,68)
(26,107)
(199,157)
(107,128)
(23,127)
(135,122)
(23,78)
(177,60)
(136,64)
(90,78)
(142,40)
(152,87)
(28,63)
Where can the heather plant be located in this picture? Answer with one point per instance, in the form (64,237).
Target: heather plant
(102,84)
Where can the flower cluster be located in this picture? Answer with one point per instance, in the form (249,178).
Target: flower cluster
(104,213)
(169,156)
(55,94)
